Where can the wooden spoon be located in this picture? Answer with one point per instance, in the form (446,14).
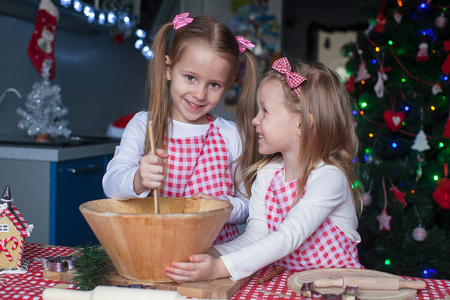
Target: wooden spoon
(152,151)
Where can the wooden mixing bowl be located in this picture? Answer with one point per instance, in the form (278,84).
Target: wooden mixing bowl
(141,243)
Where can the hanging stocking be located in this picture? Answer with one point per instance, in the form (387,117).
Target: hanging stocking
(41,46)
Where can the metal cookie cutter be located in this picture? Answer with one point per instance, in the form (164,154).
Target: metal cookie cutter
(59,263)
(309,293)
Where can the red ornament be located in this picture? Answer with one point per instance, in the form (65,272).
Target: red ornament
(442,193)
(380,23)
(446,133)
(393,120)
(422,54)
(446,65)
(398,195)
(350,84)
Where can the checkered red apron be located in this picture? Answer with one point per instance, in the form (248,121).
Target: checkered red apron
(200,164)
(327,247)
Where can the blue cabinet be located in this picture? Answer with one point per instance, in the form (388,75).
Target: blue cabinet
(73,183)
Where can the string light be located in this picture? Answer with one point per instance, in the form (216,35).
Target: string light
(432,107)
(371,135)
(436,177)
(387,262)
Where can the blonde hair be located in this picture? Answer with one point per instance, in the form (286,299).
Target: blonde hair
(331,137)
(203,29)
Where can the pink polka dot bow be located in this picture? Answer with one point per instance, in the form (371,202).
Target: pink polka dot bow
(181,20)
(293,79)
(244,44)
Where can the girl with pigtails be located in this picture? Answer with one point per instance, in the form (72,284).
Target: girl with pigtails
(304,205)
(197,154)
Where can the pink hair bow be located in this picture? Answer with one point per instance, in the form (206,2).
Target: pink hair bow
(244,44)
(181,20)
(293,79)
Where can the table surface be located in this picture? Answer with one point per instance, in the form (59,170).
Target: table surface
(30,285)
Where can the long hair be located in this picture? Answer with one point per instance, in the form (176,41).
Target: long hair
(206,30)
(330,136)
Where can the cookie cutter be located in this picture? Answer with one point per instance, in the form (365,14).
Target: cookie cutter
(308,292)
(59,263)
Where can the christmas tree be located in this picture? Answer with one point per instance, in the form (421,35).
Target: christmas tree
(44,114)
(399,71)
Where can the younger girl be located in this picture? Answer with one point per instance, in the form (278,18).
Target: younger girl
(194,149)
(303,207)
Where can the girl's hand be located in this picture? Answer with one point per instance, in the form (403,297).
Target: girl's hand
(203,196)
(150,173)
(201,267)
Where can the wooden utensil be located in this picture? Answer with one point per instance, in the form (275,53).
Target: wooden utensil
(152,151)
(296,281)
(370,283)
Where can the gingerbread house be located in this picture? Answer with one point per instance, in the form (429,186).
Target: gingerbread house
(13,231)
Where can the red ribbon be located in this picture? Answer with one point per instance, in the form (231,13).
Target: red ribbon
(446,65)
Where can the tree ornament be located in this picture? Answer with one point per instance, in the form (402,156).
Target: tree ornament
(393,120)
(384,219)
(446,133)
(363,74)
(441,21)
(380,23)
(350,85)
(379,85)
(436,89)
(422,54)
(366,198)
(419,168)
(419,234)
(398,17)
(420,143)
(398,195)
(42,43)
(442,192)
(446,65)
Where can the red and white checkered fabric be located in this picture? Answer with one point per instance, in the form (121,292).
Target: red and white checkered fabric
(327,247)
(200,164)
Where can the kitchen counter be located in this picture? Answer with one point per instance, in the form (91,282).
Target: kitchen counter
(56,150)
(49,181)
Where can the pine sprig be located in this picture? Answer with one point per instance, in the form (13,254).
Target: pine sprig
(93,268)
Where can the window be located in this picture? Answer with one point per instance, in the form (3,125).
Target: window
(4,227)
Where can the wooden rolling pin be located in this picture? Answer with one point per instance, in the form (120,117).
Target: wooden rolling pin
(370,283)
(110,293)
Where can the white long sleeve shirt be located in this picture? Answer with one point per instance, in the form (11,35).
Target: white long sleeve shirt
(327,196)
(120,172)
